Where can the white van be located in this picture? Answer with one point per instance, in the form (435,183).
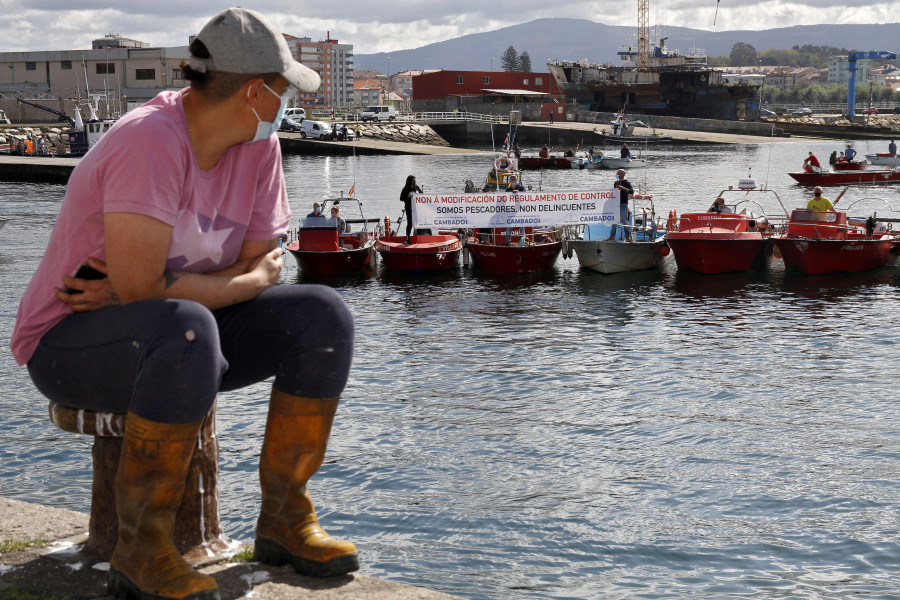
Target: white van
(317,130)
(297,114)
(378,113)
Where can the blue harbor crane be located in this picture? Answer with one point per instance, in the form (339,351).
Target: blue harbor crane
(851,85)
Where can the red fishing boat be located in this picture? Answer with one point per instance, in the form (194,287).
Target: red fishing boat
(719,243)
(528,251)
(424,253)
(844,177)
(724,242)
(321,248)
(537,162)
(828,242)
(849,165)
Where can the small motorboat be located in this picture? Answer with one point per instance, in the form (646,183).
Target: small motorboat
(425,252)
(883,159)
(320,248)
(514,250)
(553,162)
(497,180)
(643,245)
(723,242)
(822,177)
(849,165)
(819,242)
(616,162)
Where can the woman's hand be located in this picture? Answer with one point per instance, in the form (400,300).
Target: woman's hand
(268,267)
(88,294)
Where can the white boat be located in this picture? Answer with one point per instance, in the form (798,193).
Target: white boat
(883,159)
(583,160)
(615,162)
(643,245)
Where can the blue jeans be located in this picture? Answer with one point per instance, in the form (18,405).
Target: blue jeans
(167,359)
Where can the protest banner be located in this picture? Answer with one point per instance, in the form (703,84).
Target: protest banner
(515,209)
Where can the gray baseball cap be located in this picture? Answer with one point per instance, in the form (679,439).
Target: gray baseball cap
(244,41)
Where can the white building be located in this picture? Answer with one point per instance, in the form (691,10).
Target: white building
(126,72)
(839,70)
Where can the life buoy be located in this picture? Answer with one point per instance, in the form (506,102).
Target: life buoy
(502,164)
(672,221)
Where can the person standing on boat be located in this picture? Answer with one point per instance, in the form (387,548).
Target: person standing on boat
(892,148)
(406,195)
(849,153)
(833,159)
(517,151)
(514,185)
(626,190)
(183,217)
(819,203)
(316,211)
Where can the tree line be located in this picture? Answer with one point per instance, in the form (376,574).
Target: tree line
(830,93)
(745,55)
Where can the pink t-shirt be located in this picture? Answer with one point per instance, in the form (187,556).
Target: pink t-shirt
(145,164)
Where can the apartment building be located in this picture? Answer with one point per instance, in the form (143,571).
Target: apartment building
(333,62)
(839,71)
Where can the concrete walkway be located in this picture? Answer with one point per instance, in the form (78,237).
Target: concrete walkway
(53,569)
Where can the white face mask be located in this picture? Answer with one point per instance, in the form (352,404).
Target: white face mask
(265,129)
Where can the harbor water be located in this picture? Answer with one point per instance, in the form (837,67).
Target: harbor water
(659,434)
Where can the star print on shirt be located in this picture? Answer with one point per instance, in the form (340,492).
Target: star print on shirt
(202,244)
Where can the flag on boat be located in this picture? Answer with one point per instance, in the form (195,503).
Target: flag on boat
(352,189)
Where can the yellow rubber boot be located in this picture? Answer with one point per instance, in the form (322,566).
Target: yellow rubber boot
(149,487)
(288,531)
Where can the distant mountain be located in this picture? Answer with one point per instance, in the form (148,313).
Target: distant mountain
(574,39)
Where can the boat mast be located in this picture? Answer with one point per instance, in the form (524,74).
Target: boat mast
(643,34)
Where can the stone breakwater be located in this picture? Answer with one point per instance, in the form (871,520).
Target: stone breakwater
(840,126)
(410,133)
(55,140)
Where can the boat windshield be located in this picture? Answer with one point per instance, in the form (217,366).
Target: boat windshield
(318,223)
(803,214)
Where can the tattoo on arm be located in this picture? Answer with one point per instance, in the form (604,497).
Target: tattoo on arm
(112,299)
(170,278)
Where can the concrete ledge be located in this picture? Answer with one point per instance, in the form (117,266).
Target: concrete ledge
(57,570)
(36,169)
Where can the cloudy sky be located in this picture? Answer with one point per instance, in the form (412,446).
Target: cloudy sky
(390,25)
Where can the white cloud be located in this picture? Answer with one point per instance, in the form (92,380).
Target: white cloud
(391,26)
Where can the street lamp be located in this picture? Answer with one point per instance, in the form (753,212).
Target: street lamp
(12,74)
(389,73)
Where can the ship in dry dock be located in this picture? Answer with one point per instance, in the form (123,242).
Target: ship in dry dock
(652,79)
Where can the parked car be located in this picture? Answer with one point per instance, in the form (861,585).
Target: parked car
(297,114)
(317,130)
(897,110)
(379,113)
(870,111)
(289,124)
(765,112)
(802,112)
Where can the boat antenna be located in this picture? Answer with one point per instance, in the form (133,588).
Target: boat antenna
(769,165)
